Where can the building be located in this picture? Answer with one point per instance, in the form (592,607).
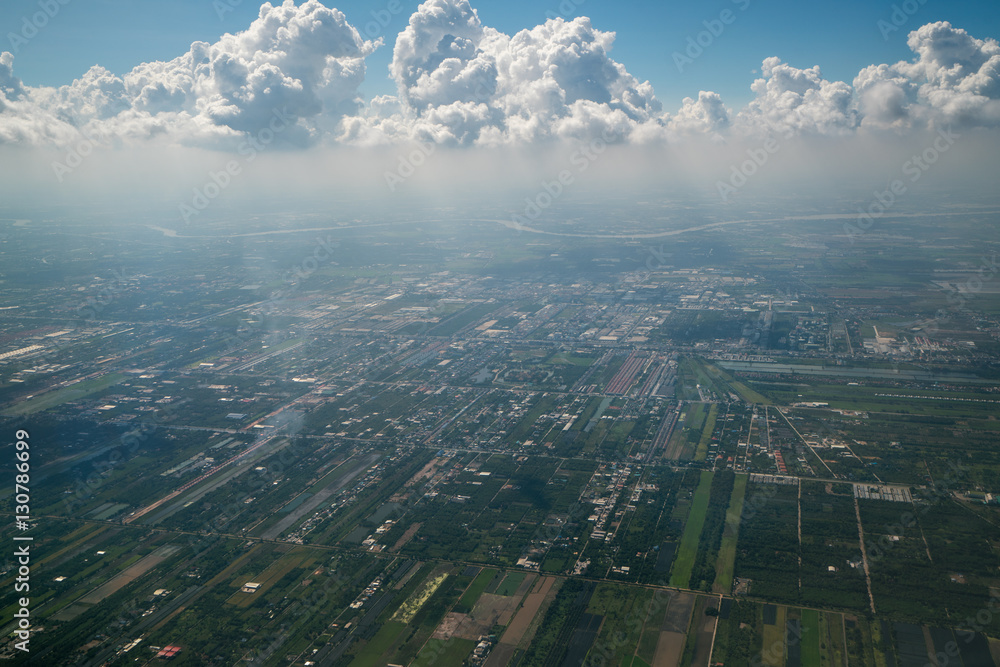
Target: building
(168,652)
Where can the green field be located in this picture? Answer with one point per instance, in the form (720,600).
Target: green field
(701,453)
(445,652)
(687,551)
(474,590)
(386,637)
(688,433)
(719,381)
(568,359)
(72,393)
(510,583)
(646,650)
(727,552)
(748,394)
(810,637)
(773,650)
(462,319)
(624,613)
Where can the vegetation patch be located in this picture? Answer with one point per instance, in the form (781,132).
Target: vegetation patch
(409,609)
(688,550)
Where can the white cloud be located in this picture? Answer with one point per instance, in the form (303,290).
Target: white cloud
(793,101)
(460,82)
(437,61)
(10,86)
(954,80)
(21,120)
(465,84)
(885,98)
(305,60)
(705,117)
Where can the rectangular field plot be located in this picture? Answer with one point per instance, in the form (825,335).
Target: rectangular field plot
(447,653)
(727,551)
(620,624)
(830,540)
(913,568)
(767,547)
(753,633)
(687,552)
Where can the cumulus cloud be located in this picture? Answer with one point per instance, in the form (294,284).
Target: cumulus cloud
(706,116)
(953,80)
(10,86)
(436,59)
(885,98)
(305,61)
(21,120)
(459,82)
(791,101)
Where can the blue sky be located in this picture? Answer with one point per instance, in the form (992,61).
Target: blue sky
(841,37)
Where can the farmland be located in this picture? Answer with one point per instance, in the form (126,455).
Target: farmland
(514,460)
